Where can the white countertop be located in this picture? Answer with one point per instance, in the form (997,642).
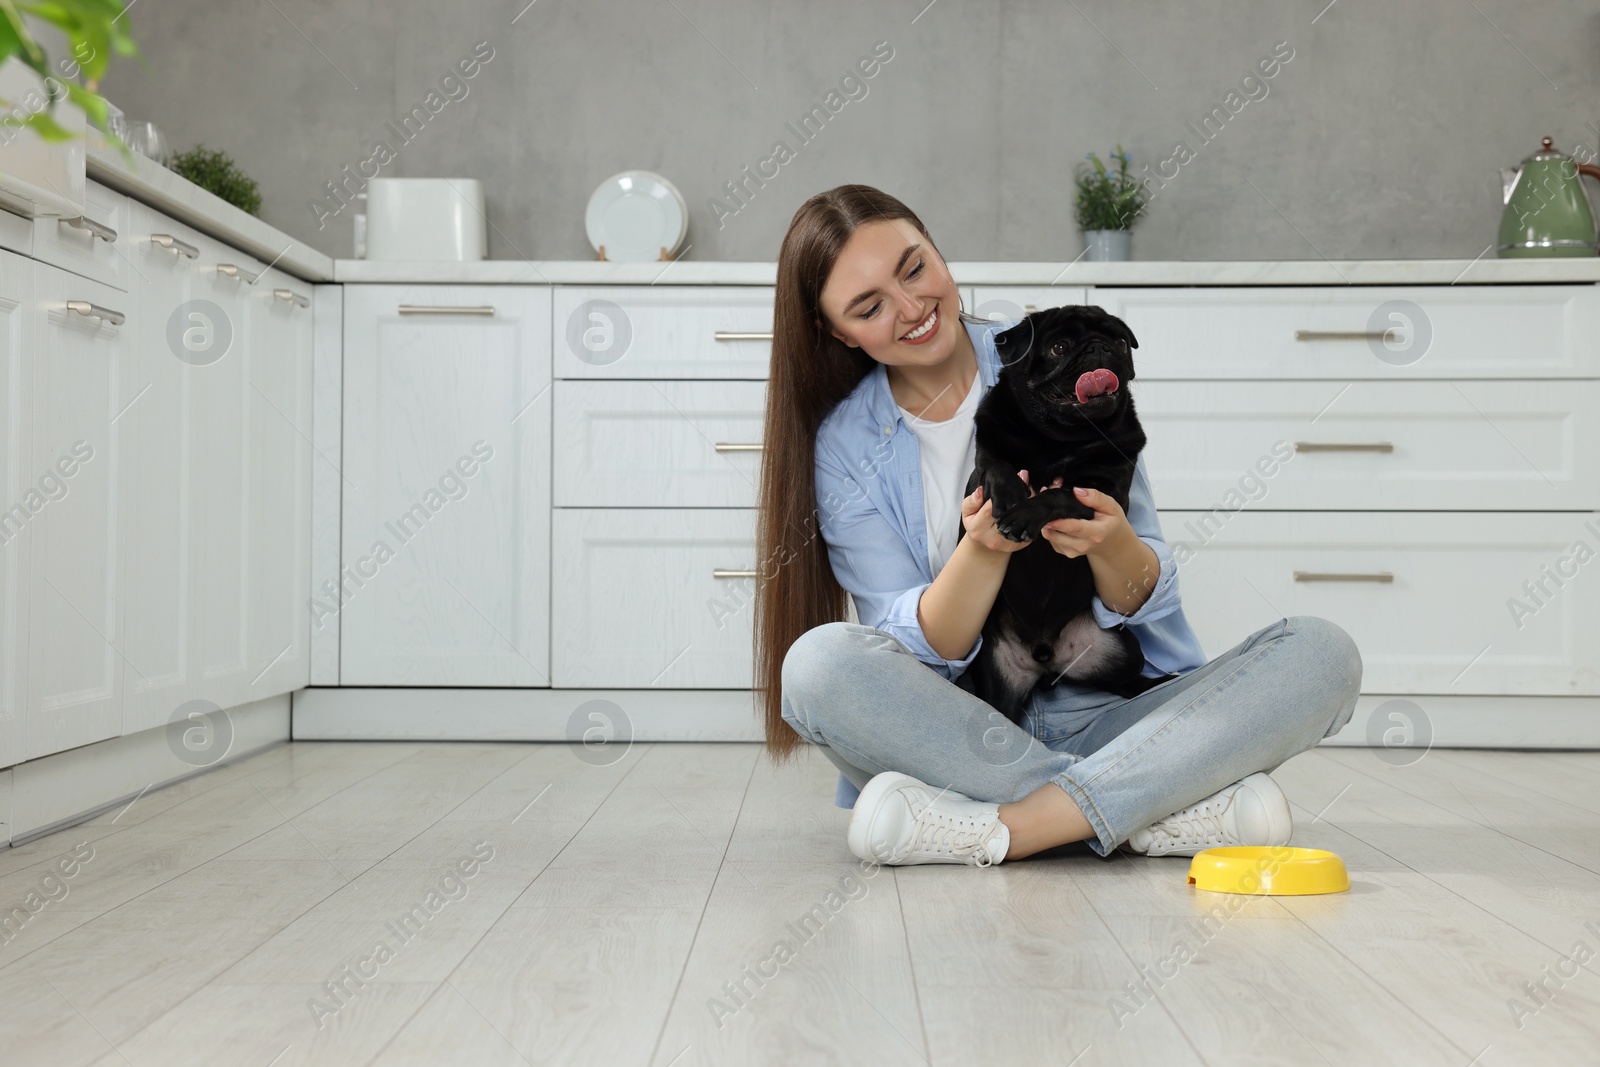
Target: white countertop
(1485,270)
(163,190)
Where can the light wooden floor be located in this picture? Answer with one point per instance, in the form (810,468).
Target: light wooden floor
(622,904)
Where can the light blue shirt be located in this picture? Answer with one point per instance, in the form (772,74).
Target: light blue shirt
(871,515)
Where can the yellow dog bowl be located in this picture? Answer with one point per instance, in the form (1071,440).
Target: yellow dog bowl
(1268,870)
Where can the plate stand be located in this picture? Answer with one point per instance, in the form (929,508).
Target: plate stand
(663,257)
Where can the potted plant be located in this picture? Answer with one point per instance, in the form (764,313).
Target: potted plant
(216,173)
(1108,205)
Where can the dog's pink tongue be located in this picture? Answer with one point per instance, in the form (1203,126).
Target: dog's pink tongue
(1096,383)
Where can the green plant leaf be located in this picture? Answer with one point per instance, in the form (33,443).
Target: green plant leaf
(1107,199)
(216,172)
(41,123)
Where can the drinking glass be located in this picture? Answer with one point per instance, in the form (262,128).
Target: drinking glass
(149,141)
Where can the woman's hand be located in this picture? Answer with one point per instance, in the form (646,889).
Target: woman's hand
(977,515)
(1082,537)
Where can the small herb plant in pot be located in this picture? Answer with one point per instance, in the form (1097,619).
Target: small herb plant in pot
(216,173)
(1109,203)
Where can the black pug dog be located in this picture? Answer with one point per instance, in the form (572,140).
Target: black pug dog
(1060,411)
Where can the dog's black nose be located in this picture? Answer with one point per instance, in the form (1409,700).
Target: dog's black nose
(1043,653)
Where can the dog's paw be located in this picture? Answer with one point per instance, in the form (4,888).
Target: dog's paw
(1020,523)
(1005,496)
(1058,505)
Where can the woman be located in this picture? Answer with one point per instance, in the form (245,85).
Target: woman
(875,374)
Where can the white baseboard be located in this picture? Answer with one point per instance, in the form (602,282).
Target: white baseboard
(378,713)
(1472,722)
(56,791)
(43,795)
(354,713)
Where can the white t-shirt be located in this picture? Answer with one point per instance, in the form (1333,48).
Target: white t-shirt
(949,452)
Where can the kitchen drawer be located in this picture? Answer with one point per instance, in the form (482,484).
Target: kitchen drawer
(1012,302)
(16,233)
(174,262)
(643,331)
(1391,446)
(1441,331)
(661,444)
(639,603)
(96,247)
(1437,602)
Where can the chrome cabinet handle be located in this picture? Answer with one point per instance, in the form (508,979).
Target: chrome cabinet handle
(741,335)
(445,309)
(237,273)
(1345,335)
(1315,576)
(1029,309)
(96,229)
(725,446)
(289,296)
(718,572)
(183,248)
(88,310)
(1322,446)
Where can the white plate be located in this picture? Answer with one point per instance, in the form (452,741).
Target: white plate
(636,214)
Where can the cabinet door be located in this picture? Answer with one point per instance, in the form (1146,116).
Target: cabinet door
(24,495)
(277,630)
(159,511)
(1437,602)
(95,246)
(446,538)
(658,444)
(1349,333)
(75,621)
(185,476)
(663,331)
(225,408)
(655,599)
(1012,302)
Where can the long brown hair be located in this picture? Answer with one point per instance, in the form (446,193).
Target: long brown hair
(811,372)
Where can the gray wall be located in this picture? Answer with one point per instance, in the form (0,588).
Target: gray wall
(1380,138)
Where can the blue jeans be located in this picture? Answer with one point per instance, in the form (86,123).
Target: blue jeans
(872,706)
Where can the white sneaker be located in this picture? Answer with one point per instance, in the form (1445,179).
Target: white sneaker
(1251,811)
(899,820)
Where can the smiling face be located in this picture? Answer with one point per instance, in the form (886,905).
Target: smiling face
(1068,364)
(890,295)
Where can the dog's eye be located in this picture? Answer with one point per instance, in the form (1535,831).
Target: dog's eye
(1058,349)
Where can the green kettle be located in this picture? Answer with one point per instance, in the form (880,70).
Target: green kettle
(1547,211)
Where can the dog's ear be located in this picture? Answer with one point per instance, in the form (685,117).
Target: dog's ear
(1117,328)
(1014,344)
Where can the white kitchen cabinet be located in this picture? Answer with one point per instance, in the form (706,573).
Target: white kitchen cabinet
(654,599)
(1437,602)
(162,504)
(1012,302)
(225,405)
(95,244)
(276,615)
(1389,446)
(1352,332)
(658,444)
(75,618)
(446,486)
(662,331)
(217,523)
(24,494)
